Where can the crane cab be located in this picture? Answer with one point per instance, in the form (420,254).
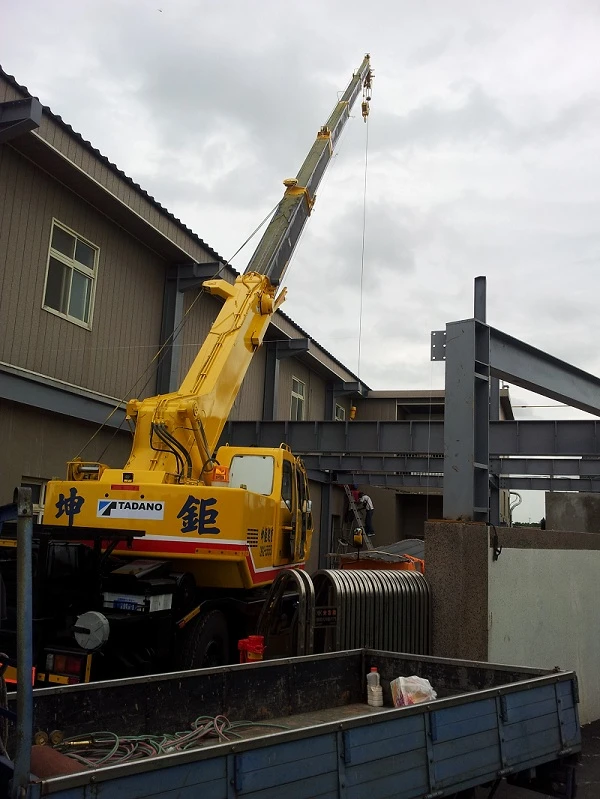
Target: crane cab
(251,518)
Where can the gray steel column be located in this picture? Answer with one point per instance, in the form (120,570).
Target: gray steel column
(271,392)
(24,733)
(480,314)
(325,524)
(466,430)
(179,279)
(167,373)
(330,396)
(480,299)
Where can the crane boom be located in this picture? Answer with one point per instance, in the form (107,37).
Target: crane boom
(195,415)
(176,434)
(275,249)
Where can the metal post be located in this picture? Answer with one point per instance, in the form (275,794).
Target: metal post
(167,372)
(480,314)
(466,422)
(271,387)
(480,298)
(325,544)
(24,643)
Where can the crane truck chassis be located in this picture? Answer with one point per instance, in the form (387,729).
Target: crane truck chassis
(165,562)
(302,726)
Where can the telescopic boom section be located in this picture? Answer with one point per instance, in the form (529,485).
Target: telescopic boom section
(275,249)
(177,433)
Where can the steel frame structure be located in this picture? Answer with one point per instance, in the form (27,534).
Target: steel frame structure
(475,355)
(472,455)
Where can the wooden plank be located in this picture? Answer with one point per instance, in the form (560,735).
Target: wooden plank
(526,748)
(530,727)
(364,744)
(414,784)
(285,763)
(480,763)
(532,696)
(469,743)
(388,766)
(453,722)
(530,711)
(325,784)
(208,778)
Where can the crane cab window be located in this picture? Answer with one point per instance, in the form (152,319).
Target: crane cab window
(287,482)
(254,472)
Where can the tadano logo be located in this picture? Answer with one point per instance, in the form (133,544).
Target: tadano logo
(130,509)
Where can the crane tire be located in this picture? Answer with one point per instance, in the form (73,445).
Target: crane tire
(205,642)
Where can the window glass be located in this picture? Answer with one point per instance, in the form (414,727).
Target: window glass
(85,254)
(286,484)
(57,286)
(253,471)
(297,403)
(62,241)
(79,301)
(72,263)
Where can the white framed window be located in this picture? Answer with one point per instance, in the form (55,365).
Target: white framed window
(340,413)
(298,400)
(38,495)
(70,275)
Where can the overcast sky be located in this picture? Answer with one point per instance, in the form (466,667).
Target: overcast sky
(482,155)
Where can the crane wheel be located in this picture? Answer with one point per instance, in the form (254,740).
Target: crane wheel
(206,642)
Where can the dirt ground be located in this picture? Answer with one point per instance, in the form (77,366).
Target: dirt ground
(588,772)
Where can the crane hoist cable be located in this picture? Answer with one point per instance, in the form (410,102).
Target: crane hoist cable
(364,228)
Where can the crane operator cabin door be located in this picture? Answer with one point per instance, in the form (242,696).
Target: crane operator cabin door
(288,515)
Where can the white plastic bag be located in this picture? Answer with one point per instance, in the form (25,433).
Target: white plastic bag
(411,691)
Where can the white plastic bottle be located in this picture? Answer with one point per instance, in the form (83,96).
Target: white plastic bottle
(374,690)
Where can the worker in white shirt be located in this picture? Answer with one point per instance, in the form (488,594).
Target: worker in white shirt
(366,503)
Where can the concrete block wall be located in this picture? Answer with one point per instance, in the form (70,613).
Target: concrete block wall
(536,604)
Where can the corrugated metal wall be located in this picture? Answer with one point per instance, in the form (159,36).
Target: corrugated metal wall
(373,410)
(125,332)
(315,390)
(40,444)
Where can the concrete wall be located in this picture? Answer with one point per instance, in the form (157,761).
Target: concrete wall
(543,611)
(577,512)
(535,605)
(456,567)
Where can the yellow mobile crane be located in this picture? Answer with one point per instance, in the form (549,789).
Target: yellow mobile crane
(219,523)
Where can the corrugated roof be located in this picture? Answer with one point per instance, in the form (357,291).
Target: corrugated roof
(11,80)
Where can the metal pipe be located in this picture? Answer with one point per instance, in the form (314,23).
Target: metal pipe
(24,643)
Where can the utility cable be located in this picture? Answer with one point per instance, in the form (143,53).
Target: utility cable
(362,254)
(106,748)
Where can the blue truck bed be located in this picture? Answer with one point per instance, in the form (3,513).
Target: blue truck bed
(488,722)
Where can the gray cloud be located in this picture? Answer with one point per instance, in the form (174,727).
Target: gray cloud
(482,151)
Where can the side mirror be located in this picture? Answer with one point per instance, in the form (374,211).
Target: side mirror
(307,506)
